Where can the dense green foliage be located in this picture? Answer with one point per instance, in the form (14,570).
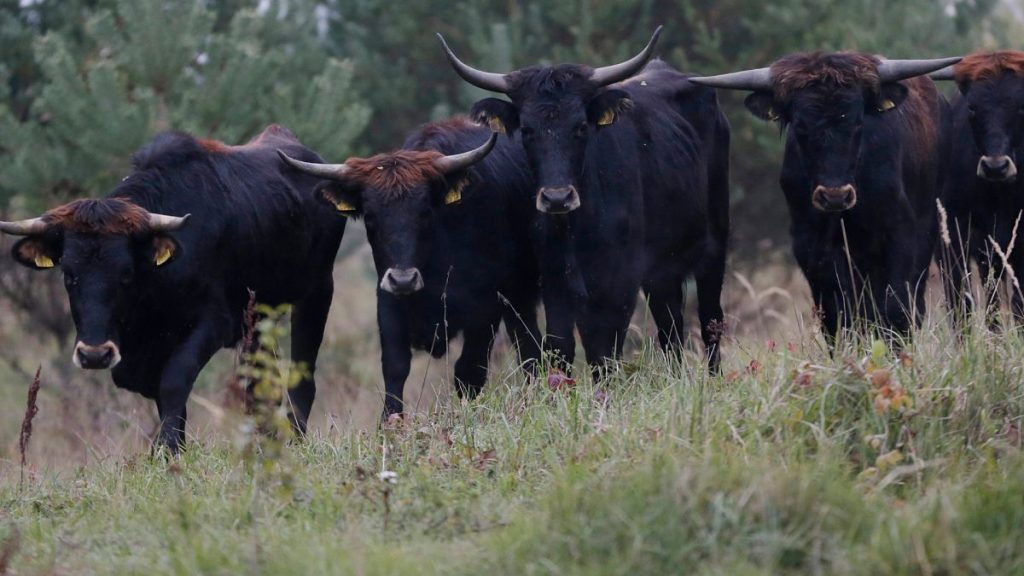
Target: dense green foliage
(126,70)
(90,80)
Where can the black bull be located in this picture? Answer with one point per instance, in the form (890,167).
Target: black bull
(632,181)
(861,172)
(153,297)
(984,194)
(448,220)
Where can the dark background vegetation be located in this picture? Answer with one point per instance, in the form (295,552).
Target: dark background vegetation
(86,82)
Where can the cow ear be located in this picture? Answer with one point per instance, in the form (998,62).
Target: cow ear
(498,115)
(36,253)
(891,95)
(452,187)
(604,109)
(762,104)
(164,249)
(344,199)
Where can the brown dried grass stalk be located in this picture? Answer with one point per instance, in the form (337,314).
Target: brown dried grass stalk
(237,395)
(31,409)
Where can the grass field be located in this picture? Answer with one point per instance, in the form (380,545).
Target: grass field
(792,461)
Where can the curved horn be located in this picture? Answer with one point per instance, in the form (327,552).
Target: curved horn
(943,74)
(756,79)
(24,227)
(486,80)
(449,164)
(329,171)
(896,70)
(164,223)
(606,75)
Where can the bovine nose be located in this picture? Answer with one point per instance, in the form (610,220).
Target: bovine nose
(835,198)
(401,281)
(96,357)
(999,163)
(997,168)
(558,200)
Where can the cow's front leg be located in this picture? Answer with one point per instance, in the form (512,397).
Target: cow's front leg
(900,284)
(471,367)
(177,379)
(395,352)
(308,321)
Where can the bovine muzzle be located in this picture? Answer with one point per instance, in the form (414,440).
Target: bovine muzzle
(834,198)
(560,200)
(101,357)
(997,168)
(401,281)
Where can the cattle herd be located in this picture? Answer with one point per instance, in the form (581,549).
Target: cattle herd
(584,187)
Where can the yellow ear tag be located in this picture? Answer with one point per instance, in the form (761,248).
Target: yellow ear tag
(886,105)
(43,261)
(606,118)
(496,124)
(455,193)
(343,206)
(163,255)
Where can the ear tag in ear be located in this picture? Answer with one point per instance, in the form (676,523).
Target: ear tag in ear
(607,117)
(344,207)
(455,192)
(886,105)
(496,125)
(43,261)
(163,254)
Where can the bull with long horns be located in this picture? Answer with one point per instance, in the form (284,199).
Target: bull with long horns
(631,163)
(158,273)
(862,169)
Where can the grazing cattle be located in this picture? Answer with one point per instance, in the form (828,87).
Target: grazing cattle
(447,220)
(983,196)
(158,272)
(631,164)
(860,174)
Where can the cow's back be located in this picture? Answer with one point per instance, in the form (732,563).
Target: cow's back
(255,223)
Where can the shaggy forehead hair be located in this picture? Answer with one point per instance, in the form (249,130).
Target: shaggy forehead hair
(109,216)
(396,173)
(551,82)
(987,65)
(828,69)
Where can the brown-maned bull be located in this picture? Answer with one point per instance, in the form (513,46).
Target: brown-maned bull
(158,272)
(447,218)
(860,176)
(983,195)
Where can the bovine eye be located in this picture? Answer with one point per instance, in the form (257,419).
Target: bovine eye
(581,130)
(971,110)
(70,279)
(842,116)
